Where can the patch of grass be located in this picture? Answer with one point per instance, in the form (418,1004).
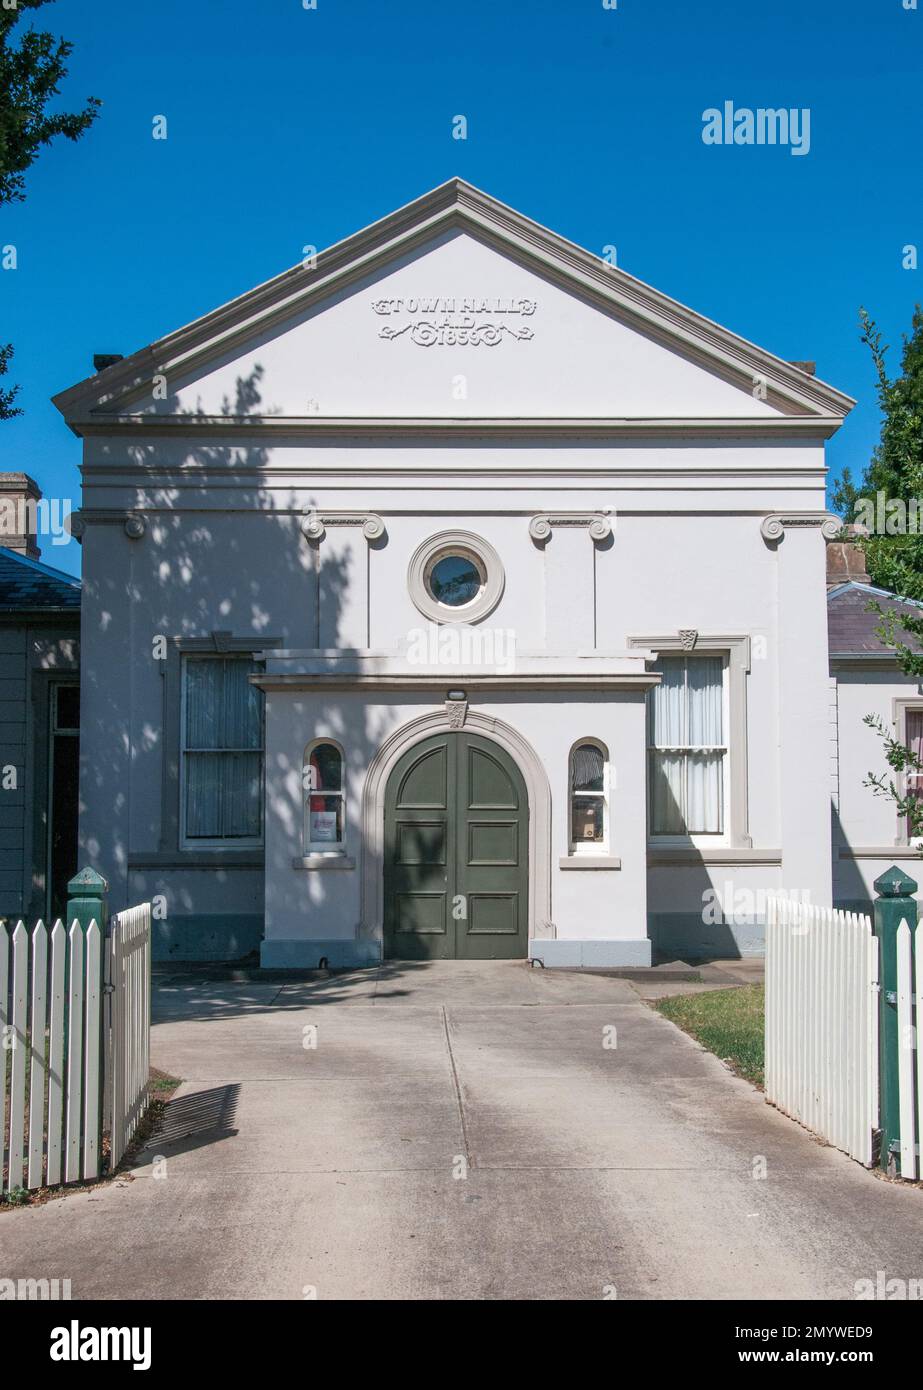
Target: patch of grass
(729,1022)
(162,1085)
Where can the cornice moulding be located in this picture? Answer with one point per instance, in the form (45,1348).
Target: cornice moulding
(817,427)
(441,680)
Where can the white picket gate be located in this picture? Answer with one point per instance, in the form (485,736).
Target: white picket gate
(128,1070)
(62,1046)
(822,1022)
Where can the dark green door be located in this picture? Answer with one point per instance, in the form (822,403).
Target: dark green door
(456,852)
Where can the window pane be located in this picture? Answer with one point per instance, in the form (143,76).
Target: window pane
(587,765)
(203,704)
(667,794)
(325,819)
(704,687)
(455,580)
(241,776)
(704,793)
(203,796)
(326,767)
(667,721)
(223,710)
(67,707)
(587,814)
(223,795)
(242,706)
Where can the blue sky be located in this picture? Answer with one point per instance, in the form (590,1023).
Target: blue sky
(290,127)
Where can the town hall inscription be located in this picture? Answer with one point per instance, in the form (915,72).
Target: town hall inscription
(450,321)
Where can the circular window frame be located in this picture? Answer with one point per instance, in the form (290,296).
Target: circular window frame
(427,555)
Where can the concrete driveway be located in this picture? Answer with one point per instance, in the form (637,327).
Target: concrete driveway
(462,1131)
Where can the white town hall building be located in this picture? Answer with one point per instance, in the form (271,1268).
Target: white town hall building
(455,595)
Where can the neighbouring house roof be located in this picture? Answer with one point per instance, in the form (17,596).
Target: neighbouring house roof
(27,586)
(850,624)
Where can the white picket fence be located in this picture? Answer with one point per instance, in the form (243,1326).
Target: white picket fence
(822,1022)
(73,1049)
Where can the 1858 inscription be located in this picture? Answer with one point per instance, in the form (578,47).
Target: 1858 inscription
(452,321)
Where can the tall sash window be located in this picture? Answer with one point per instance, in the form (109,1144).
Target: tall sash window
(222,751)
(687,747)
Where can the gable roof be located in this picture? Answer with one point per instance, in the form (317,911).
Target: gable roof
(109,394)
(851,626)
(27,585)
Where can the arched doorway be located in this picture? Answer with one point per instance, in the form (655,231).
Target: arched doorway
(456,851)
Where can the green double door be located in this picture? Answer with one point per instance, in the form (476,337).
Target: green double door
(456,852)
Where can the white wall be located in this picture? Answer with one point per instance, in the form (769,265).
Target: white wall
(864,821)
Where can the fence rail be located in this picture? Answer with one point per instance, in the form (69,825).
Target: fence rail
(822,1022)
(72,1064)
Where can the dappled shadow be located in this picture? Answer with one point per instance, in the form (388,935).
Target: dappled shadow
(222,558)
(200,994)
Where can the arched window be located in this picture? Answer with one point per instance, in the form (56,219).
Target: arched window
(589,798)
(324,798)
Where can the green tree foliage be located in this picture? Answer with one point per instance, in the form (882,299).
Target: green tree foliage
(891,497)
(895,473)
(7,394)
(32,66)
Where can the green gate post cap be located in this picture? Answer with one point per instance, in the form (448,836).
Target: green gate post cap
(87,884)
(894,883)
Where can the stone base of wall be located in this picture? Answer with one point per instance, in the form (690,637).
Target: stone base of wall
(306,955)
(205,936)
(684,936)
(561,952)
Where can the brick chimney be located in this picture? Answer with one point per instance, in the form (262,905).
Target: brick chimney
(19,498)
(846,560)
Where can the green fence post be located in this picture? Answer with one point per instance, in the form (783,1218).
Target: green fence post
(86,900)
(895,904)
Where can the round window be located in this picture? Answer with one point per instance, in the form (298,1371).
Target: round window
(455,578)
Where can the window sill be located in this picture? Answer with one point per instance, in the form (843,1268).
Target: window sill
(902,850)
(589,861)
(197,859)
(711,854)
(323,861)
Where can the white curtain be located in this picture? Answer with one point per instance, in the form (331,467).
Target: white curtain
(667,708)
(222,776)
(667,793)
(687,712)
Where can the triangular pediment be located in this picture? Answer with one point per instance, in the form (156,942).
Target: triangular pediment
(454,308)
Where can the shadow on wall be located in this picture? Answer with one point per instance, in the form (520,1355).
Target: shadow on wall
(196,571)
(850,891)
(726,927)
